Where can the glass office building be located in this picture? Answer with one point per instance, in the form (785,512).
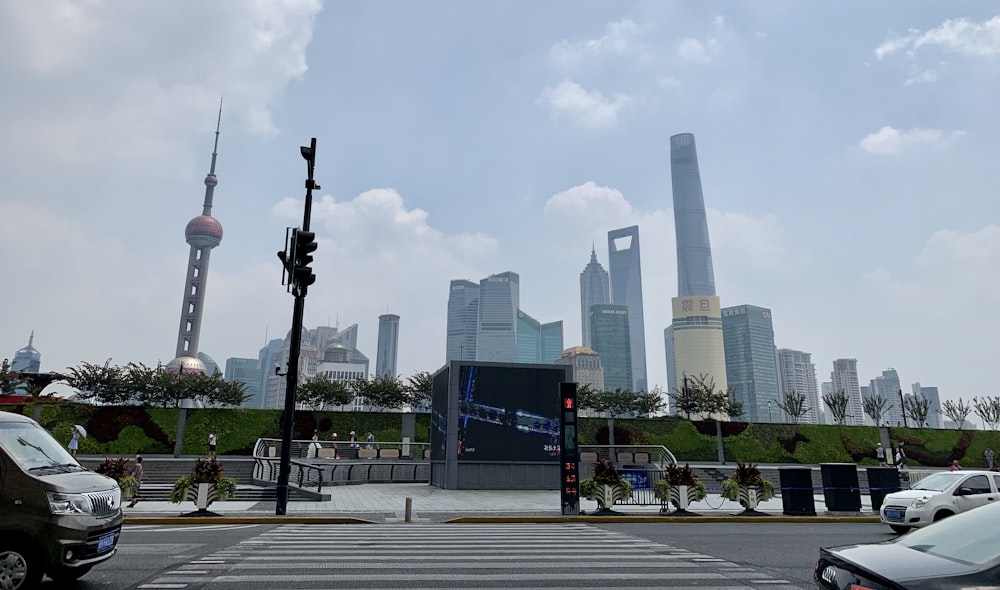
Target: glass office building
(751,362)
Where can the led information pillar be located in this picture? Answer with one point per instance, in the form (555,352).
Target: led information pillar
(570,471)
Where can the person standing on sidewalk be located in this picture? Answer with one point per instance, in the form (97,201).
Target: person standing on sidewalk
(988,453)
(137,474)
(880,454)
(213,442)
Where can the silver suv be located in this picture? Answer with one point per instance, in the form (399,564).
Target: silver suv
(56,517)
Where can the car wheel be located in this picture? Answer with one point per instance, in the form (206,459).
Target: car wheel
(65,577)
(20,568)
(899,528)
(943,515)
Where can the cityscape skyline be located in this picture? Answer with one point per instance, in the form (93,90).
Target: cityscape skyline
(840,230)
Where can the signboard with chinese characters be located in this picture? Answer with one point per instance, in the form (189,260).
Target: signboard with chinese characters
(570,470)
(696,305)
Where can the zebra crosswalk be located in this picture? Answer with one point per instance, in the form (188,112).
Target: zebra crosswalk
(452,556)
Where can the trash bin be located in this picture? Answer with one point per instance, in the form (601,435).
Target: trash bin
(797,491)
(841,490)
(882,481)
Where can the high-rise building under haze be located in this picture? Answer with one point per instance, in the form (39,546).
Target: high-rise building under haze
(797,373)
(625,271)
(538,343)
(609,329)
(888,386)
(27,359)
(202,233)
(496,339)
(751,363)
(246,371)
(595,289)
(463,321)
(845,378)
(388,345)
(694,341)
(934,406)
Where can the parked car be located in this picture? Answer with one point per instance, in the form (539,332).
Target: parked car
(960,552)
(938,496)
(56,517)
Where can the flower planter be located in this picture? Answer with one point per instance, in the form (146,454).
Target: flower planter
(682,496)
(748,497)
(202,494)
(607,496)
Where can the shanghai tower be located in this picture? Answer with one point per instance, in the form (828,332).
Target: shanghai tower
(202,233)
(693,342)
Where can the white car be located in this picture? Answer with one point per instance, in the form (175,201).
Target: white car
(939,496)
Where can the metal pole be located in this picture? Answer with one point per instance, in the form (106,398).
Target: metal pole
(902,408)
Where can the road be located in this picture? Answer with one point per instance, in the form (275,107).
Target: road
(416,555)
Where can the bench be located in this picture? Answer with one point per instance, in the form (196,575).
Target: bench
(642,457)
(588,457)
(367,453)
(326,453)
(625,458)
(387,453)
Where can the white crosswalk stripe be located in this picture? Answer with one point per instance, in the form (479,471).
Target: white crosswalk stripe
(453,556)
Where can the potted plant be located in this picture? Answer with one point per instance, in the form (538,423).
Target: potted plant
(607,486)
(747,487)
(679,486)
(120,470)
(205,485)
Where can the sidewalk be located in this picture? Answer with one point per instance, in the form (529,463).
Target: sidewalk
(387,503)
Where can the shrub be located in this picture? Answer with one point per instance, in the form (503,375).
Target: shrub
(746,475)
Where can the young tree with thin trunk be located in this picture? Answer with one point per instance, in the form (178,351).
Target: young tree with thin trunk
(917,408)
(837,401)
(988,410)
(876,407)
(956,411)
(794,405)
(420,388)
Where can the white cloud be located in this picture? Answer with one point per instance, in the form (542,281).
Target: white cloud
(587,109)
(888,140)
(693,50)
(619,38)
(960,35)
(918,76)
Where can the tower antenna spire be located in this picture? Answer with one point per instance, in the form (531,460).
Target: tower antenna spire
(211,180)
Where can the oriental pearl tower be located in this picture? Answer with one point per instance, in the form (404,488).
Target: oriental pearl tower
(203,233)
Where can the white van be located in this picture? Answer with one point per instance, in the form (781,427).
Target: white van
(938,496)
(56,517)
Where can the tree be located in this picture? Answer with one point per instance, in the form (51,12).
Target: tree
(321,391)
(107,384)
(381,393)
(617,403)
(214,390)
(876,407)
(420,388)
(837,401)
(988,410)
(794,405)
(10,380)
(684,399)
(699,396)
(916,408)
(956,411)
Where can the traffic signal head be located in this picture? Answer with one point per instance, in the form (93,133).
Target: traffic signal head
(303,245)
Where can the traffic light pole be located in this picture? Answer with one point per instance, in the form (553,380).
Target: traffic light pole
(292,374)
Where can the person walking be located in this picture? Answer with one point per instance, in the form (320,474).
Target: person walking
(988,453)
(370,440)
(902,455)
(354,440)
(137,474)
(213,442)
(880,454)
(74,442)
(954,466)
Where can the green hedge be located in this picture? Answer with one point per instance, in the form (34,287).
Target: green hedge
(130,430)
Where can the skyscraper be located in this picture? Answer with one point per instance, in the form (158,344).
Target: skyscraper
(796,372)
(594,289)
(694,339)
(463,321)
(609,330)
(751,364)
(247,372)
(388,345)
(538,343)
(587,367)
(888,386)
(202,233)
(496,339)
(845,378)
(28,359)
(626,289)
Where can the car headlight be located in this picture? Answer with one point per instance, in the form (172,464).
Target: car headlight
(919,502)
(69,503)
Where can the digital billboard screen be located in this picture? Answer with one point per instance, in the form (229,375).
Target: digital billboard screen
(509,413)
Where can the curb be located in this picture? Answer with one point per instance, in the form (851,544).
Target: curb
(245,520)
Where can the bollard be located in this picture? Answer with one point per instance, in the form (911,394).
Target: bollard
(409,510)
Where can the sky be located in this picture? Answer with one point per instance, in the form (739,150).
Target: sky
(848,159)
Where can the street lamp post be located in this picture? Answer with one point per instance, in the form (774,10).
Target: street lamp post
(770,415)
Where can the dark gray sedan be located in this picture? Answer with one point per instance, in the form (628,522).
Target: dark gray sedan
(962,551)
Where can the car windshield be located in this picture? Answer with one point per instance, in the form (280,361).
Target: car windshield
(32,447)
(937,482)
(969,537)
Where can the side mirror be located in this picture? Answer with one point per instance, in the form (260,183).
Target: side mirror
(963,492)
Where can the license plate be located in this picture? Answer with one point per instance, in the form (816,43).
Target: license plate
(105,542)
(894,514)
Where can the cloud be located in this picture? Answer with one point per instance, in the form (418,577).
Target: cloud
(690,49)
(619,38)
(586,109)
(918,76)
(961,36)
(888,140)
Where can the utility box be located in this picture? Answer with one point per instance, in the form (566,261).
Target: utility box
(797,491)
(841,490)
